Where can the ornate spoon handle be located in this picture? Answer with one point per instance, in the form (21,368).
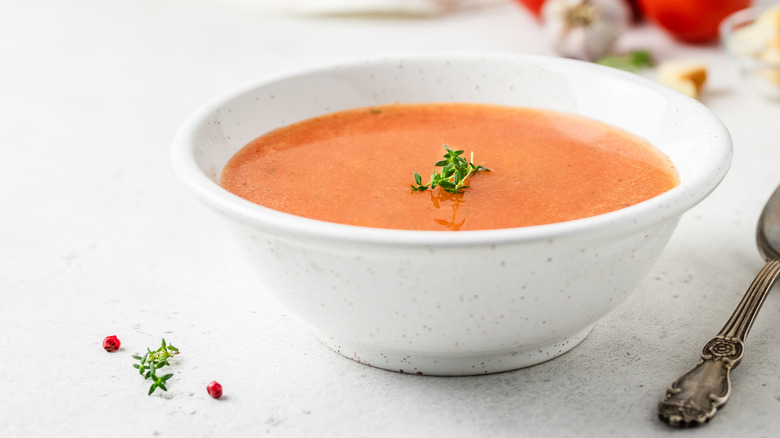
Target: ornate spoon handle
(695,397)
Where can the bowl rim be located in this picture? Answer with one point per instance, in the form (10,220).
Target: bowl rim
(741,16)
(658,209)
(727,27)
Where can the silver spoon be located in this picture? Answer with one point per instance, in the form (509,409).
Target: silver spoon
(695,397)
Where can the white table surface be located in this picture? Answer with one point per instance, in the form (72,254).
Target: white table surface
(98,237)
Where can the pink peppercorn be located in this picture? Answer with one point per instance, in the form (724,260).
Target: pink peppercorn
(214,389)
(111,343)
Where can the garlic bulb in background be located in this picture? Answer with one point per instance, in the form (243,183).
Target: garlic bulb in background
(584,29)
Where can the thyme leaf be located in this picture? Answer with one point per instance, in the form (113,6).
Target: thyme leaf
(455,170)
(152,361)
(633,61)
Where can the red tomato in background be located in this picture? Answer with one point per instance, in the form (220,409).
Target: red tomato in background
(694,21)
(534,6)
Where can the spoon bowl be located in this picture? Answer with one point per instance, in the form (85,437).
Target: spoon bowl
(768,229)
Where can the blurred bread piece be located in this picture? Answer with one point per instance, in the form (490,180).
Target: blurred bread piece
(687,77)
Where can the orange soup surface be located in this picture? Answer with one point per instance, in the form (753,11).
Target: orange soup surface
(356,167)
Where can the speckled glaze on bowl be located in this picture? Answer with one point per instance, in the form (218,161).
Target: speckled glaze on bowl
(507,298)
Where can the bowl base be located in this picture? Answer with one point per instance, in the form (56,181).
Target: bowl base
(454,364)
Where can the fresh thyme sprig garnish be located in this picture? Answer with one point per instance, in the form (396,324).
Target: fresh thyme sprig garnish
(452,178)
(153,361)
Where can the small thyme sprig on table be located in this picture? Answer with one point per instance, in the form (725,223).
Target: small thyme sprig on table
(452,178)
(153,361)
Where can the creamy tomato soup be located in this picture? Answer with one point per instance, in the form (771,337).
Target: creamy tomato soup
(355,167)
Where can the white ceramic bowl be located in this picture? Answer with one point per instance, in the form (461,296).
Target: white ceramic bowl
(507,298)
